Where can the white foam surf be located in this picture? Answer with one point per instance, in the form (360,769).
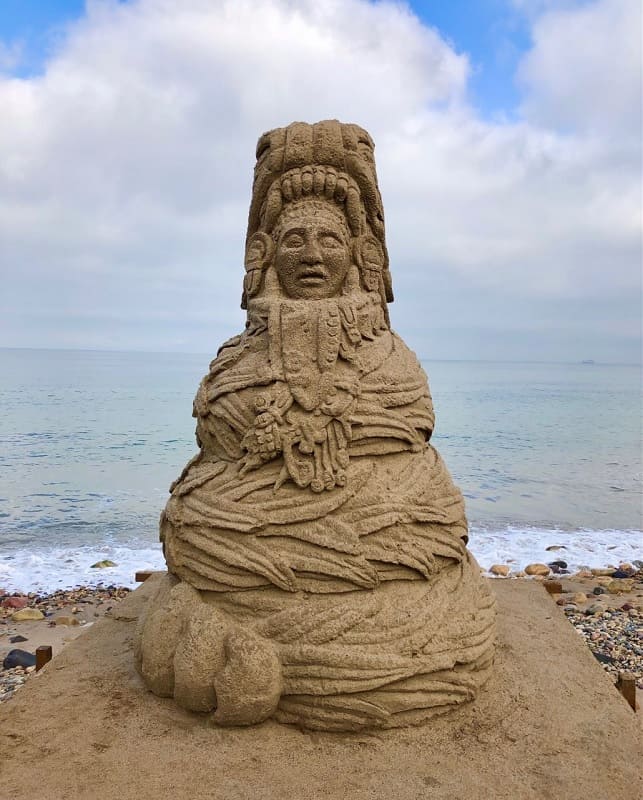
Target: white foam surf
(46,569)
(519,546)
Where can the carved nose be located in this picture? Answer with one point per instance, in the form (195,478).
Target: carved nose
(311,254)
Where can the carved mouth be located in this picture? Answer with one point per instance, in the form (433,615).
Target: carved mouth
(312,276)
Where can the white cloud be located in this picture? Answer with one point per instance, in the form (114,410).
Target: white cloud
(126,169)
(584,71)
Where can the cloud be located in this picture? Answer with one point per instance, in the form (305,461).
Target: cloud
(584,71)
(126,172)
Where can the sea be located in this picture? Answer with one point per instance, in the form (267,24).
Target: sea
(547,456)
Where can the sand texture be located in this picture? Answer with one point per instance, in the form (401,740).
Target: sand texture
(548,724)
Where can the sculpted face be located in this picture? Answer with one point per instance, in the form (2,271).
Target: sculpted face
(312,256)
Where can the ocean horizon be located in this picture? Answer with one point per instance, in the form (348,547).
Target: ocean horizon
(546,454)
(423,359)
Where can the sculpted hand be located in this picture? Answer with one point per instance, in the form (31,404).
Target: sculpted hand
(191,651)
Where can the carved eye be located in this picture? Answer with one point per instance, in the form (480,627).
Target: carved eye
(329,241)
(293,240)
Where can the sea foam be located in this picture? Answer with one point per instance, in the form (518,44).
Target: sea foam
(47,569)
(519,546)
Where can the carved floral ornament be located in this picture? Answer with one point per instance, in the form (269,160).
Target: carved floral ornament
(314,243)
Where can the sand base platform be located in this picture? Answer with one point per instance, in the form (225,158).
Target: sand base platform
(550,724)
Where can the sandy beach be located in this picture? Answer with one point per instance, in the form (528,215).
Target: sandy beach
(549,724)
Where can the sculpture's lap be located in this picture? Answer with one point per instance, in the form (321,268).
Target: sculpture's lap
(355,608)
(390,656)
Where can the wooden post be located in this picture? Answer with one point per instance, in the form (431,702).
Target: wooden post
(142,576)
(626,684)
(43,655)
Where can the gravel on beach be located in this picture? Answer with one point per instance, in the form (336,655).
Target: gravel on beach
(61,599)
(604,605)
(64,607)
(615,637)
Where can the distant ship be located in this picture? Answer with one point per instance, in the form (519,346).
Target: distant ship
(588,361)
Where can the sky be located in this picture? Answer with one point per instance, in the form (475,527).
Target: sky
(508,148)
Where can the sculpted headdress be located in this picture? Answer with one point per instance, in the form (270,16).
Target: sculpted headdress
(329,164)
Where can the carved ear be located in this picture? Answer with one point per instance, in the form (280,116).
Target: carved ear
(369,257)
(259,252)
(371,253)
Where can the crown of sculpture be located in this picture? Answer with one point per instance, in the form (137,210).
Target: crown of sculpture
(323,172)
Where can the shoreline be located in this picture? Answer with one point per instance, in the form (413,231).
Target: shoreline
(605,606)
(45,569)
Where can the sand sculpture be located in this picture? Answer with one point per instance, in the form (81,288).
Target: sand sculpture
(316,545)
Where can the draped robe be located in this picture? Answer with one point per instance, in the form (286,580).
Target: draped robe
(316,480)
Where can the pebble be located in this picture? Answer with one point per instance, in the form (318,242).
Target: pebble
(620,586)
(18,658)
(24,614)
(499,569)
(18,601)
(537,569)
